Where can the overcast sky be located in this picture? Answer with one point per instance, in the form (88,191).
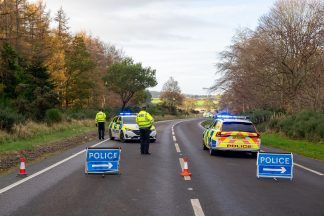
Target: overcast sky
(179,38)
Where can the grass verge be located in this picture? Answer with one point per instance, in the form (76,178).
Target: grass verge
(45,136)
(301,147)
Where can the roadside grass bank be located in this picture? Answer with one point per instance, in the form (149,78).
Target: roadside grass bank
(207,123)
(302,147)
(306,148)
(32,134)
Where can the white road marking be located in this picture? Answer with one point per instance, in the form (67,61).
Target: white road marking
(177,147)
(172,133)
(174,139)
(187,178)
(308,169)
(197,207)
(305,168)
(190,189)
(46,169)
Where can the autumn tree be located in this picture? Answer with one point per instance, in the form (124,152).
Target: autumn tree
(278,65)
(171,95)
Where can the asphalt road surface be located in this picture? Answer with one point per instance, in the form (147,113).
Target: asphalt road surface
(225,184)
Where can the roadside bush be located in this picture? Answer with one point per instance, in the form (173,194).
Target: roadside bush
(80,114)
(53,116)
(260,116)
(304,125)
(9,118)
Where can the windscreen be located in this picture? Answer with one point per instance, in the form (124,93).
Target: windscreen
(238,126)
(129,119)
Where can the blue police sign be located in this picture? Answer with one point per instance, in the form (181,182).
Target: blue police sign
(275,165)
(102,160)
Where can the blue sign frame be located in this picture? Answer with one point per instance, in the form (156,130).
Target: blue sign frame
(275,165)
(101,160)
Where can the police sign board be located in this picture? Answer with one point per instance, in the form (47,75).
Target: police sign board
(102,160)
(275,165)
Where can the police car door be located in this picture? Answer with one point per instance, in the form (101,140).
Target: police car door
(113,127)
(117,127)
(212,131)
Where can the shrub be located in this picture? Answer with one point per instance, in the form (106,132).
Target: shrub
(53,116)
(305,125)
(9,118)
(259,116)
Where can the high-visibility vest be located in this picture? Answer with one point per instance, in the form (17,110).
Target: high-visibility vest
(100,117)
(144,119)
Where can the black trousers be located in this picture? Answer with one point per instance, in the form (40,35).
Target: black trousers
(101,130)
(145,140)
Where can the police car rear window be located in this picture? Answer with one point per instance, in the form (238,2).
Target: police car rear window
(129,120)
(238,126)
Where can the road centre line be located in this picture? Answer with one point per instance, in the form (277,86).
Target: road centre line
(187,178)
(46,169)
(177,147)
(197,207)
(174,138)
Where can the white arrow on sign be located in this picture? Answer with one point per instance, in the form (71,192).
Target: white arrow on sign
(282,169)
(109,165)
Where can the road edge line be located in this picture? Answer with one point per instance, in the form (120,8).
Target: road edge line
(45,169)
(308,169)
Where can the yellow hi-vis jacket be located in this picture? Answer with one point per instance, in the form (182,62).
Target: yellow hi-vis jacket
(144,119)
(100,117)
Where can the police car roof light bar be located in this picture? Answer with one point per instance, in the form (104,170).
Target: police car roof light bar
(127,114)
(231,117)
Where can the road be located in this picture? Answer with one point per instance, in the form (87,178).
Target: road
(225,184)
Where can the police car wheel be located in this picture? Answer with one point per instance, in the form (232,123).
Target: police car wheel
(122,138)
(254,154)
(204,146)
(110,135)
(211,152)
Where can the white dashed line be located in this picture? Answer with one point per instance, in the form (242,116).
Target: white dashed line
(197,207)
(174,139)
(177,147)
(45,170)
(187,178)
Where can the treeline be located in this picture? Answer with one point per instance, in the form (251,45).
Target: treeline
(280,64)
(43,65)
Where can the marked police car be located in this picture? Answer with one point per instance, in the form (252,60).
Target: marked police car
(231,133)
(124,128)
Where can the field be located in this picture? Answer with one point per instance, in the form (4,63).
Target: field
(156,100)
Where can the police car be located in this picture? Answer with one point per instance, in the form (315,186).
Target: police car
(231,133)
(123,127)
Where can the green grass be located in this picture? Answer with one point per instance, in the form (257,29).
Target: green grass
(207,123)
(301,147)
(200,103)
(156,100)
(30,143)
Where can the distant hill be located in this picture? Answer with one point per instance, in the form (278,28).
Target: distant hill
(155,94)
